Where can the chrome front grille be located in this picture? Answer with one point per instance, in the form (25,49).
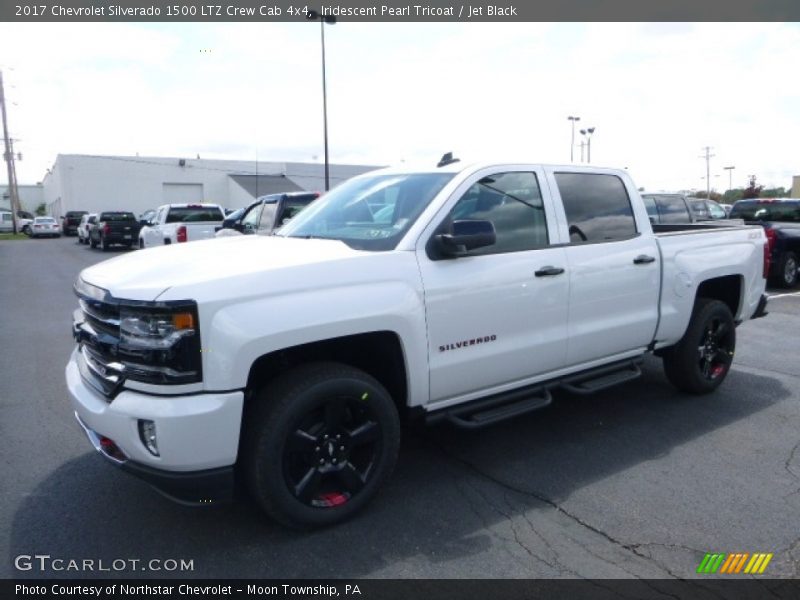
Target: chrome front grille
(96,329)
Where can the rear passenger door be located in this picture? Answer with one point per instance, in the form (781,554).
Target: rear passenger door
(497,315)
(614,267)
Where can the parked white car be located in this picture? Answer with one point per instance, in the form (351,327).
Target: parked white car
(178,223)
(87,222)
(45,227)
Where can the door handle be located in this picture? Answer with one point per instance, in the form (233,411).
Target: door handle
(643,259)
(549,271)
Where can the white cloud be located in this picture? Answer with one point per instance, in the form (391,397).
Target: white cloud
(656,93)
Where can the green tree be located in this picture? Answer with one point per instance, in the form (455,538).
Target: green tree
(753,190)
(778,192)
(41,210)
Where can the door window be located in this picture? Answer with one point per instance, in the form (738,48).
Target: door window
(251,219)
(513,203)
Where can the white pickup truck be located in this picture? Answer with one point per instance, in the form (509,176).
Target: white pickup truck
(460,293)
(177,223)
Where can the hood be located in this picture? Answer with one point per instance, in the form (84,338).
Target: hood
(146,274)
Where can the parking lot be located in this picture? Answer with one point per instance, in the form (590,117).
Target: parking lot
(637,481)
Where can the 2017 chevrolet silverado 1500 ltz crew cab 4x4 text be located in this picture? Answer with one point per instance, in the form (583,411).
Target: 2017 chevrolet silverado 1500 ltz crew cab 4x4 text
(456,293)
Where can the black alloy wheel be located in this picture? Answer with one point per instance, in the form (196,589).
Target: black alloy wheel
(319,442)
(716,348)
(702,358)
(329,456)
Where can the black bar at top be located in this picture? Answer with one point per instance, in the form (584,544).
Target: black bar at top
(398,11)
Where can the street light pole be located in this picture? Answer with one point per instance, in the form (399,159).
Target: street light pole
(572,144)
(730,176)
(587,133)
(313,15)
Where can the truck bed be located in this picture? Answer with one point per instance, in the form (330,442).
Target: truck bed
(661,229)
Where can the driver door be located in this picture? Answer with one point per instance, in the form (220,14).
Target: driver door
(497,316)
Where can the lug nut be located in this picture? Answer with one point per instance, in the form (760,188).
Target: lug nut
(322,461)
(334,461)
(341,447)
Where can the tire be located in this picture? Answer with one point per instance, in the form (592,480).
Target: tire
(104,245)
(141,244)
(26,230)
(319,444)
(92,243)
(700,361)
(787,270)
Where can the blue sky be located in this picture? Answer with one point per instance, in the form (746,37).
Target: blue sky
(656,94)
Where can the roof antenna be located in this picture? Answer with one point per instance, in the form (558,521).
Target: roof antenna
(447,159)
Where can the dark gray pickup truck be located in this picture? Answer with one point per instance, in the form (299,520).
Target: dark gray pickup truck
(114,227)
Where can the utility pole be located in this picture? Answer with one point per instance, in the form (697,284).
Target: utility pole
(9,156)
(708,156)
(583,145)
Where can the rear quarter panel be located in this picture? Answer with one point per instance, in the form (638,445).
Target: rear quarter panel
(690,258)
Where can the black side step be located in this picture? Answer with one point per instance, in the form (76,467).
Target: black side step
(494,409)
(602,378)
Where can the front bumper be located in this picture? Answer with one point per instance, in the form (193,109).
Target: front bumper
(198,436)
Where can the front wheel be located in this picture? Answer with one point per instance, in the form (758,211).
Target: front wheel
(320,442)
(700,361)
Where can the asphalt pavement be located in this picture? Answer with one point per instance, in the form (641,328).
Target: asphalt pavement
(638,481)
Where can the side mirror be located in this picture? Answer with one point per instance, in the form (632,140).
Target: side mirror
(652,220)
(467,235)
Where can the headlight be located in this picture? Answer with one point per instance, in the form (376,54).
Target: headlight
(142,330)
(160,345)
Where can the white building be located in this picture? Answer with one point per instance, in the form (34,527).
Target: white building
(30,197)
(138,183)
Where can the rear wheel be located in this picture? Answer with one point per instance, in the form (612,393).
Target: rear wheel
(141,244)
(92,243)
(788,270)
(700,361)
(320,443)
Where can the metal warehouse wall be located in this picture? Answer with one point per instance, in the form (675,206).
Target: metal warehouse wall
(97,183)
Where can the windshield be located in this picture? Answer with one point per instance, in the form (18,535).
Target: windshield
(368,213)
(767,211)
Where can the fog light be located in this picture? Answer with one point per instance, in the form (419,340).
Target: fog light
(147,433)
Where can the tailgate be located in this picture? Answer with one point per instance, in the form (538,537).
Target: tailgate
(201,231)
(126,229)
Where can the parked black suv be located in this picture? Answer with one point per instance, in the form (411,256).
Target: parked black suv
(781,220)
(269,212)
(70,221)
(114,227)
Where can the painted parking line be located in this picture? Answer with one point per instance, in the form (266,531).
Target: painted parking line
(795,294)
